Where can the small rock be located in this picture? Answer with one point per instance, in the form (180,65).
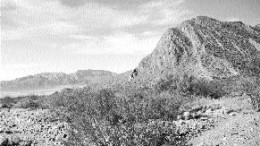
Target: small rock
(194,115)
(215,107)
(204,118)
(199,113)
(8,132)
(26,143)
(179,117)
(65,136)
(16,139)
(197,108)
(186,115)
(208,111)
(228,111)
(3,141)
(232,114)
(180,122)
(225,138)
(204,108)
(201,144)
(223,110)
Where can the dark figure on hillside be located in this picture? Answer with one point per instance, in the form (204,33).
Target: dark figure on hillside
(133,74)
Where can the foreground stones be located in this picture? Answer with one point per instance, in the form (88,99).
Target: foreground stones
(38,127)
(30,127)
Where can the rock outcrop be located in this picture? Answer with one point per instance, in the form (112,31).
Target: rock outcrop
(204,48)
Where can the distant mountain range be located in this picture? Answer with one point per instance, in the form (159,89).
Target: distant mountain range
(50,80)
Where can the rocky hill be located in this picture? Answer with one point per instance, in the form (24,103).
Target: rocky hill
(47,80)
(204,48)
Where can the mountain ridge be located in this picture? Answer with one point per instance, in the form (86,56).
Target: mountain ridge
(203,47)
(48,79)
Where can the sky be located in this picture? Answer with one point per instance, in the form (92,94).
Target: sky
(69,35)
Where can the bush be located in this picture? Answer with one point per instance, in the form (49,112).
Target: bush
(7,102)
(101,118)
(189,85)
(214,89)
(255,101)
(168,84)
(31,102)
(252,89)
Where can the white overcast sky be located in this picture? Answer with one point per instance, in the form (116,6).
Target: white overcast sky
(68,35)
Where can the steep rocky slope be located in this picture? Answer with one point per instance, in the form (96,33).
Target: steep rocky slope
(47,80)
(205,48)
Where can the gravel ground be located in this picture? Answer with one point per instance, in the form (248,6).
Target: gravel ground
(31,127)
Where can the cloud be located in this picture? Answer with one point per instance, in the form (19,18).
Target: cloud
(7,6)
(94,27)
(79,36)
(115,4)
(120,43)
(232,19)
(52,29)
(33,18)
(17,66)
(165,12)
(12,71)
(112,24)
(124,43)
(73,3)
(95,17)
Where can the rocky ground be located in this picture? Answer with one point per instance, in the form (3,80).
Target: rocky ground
(235,124)
(207,122)
(30,127)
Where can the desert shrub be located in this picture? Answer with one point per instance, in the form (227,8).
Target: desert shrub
(255,101)
(250,86)
(7,102)
(101,118)
(214,89)
(167,84)
(30,102)
(65,99)
(189,85)
(143,108)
